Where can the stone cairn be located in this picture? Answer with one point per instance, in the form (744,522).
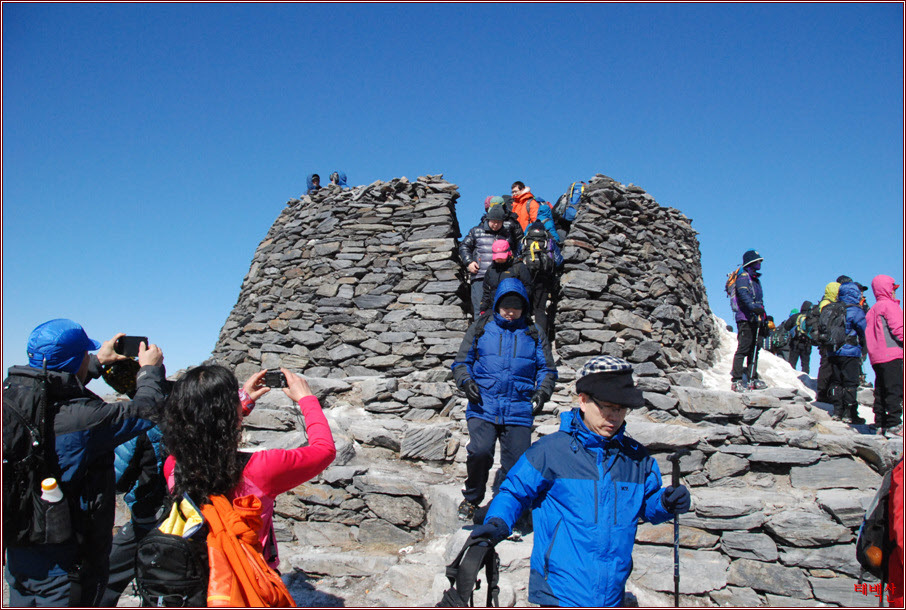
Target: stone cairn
(362,291)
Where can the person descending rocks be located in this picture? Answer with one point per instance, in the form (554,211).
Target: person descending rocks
(825,371)
(587,485)
(503,265)
(504,366)
(475,251)
(749,319)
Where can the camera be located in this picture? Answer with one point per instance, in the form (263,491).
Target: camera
(128,346)
(274,379)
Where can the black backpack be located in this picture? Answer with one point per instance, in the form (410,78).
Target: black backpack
(873,546)
(832,326)
(463,575)
(170,570)
(537,252)
(29,457)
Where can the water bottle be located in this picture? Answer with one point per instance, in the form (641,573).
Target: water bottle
(50,491)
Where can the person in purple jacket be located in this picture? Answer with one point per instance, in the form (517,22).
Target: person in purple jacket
(884,339)
(749,318)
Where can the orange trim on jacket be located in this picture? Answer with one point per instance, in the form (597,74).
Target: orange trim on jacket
(525,206)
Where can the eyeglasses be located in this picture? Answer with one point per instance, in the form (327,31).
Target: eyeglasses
(608,406)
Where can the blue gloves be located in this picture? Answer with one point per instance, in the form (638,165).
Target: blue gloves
(676,499)
(494,530)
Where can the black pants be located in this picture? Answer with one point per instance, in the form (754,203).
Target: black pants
(825,372)
(483,435)
(745,350)
(844,384)
(122,561)
(538,294)
(800,351)
(888,405)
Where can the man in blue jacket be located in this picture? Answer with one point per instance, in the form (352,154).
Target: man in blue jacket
(748,303)
(87,429)
(587,485)
(506,370)
(846,362)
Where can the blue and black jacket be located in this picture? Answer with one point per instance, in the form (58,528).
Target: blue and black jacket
(850,294)
(587,494)
(508,361)
(87,430)
(748,294)
(139,466)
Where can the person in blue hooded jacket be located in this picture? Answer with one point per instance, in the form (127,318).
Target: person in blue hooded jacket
(587,485)
(312,184)
(506,370)
(846,362)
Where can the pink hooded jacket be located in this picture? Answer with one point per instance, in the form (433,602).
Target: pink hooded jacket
(884,323)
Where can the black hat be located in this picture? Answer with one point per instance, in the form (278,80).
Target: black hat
(751,256)
(496,213)
(511,300)
(609,378)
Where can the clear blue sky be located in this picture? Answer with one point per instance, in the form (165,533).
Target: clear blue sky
(148,148)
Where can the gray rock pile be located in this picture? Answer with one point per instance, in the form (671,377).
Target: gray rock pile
(632,285)
(361,291)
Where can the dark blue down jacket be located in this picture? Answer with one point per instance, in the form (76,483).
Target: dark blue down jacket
(587,493)
(850,294)
(508,361)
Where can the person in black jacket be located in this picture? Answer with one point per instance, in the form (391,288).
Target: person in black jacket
(87,429)
(502,267)
(800,344)
(475,249)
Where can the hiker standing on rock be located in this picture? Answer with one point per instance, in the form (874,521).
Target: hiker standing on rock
(884,338)
(749,319)
(800,345)
(506,370)
(587,485)
(825,371)
(846,361)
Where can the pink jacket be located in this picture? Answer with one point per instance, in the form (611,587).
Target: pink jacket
(884,323)
(271,472)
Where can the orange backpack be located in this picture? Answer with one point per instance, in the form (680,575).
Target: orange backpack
(239,576)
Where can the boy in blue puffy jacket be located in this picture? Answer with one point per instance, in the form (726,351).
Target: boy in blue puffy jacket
(587,485)
(846,362)
(505,367)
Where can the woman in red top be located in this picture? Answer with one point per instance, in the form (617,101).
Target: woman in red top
(202,429)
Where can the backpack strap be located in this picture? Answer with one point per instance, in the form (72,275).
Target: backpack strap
(463,570)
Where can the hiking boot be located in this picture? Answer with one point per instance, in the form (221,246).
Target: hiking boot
(854,417)
(466,510)
(757,384)
(894,432)
(738,386)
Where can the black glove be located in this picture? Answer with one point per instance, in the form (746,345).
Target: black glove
(758,310)
(473,392)
(676,499)
(538,400)
(493,531)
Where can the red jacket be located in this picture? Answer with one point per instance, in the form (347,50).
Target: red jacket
(895,565)
(271,472)
(526,208)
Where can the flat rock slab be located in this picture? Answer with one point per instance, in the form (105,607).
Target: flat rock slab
(689,537)
(847,507)
(804,528)
(724,502)
(354,563)
(745,545)
(835,473)
(769,578)
(746,522)
(698,404)
(841,591)
(773,455)
(655,437)
(839,558)
(700,571)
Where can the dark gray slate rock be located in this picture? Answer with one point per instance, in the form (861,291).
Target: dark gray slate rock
(745,545)
(424,443)
(846,506)
(721,465)
(841,591)
(746,522)
(399,510)
(839,558)
(769,578)
(689,537)
(738,597)
(701,571)
(698,404)
(773,455)
(802,528)
(833,473)
(725,502)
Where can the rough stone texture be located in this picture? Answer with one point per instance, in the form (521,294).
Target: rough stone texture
(363,292)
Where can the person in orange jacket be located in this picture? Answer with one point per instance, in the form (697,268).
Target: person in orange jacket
(524,204)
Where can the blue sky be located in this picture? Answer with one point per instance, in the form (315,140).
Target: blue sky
(147,148)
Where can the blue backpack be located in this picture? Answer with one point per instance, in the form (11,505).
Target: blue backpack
(568,204)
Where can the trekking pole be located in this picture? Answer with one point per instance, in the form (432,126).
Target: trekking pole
(675,458)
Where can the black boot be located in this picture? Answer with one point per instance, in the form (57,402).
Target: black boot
(854,415)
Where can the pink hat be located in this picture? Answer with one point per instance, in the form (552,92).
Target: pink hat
(500,250)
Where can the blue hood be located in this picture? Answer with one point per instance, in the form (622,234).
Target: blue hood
(310,185)
(849,293)
(511,284)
